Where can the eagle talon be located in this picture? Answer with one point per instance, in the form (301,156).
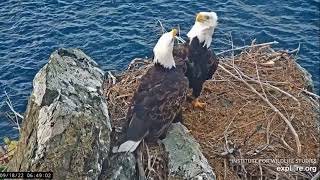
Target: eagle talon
(197,104)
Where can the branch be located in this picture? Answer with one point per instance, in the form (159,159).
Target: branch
(316,176)
(295,50)
(248,46)
(139,151)
(16,114)
(264,83)
(163,29)
(112,77)
(310,93)
(293,131)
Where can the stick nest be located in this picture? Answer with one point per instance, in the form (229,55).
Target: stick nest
(237,122)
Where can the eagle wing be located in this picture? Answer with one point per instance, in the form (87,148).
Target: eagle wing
(212,65)
(156,103)
(201,63)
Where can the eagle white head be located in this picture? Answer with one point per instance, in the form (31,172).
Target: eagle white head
(203,27)
(163,50)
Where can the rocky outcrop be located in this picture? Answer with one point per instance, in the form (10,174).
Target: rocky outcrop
(186,160)
(120,166)
(66,128)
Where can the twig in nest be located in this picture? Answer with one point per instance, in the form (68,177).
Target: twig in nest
(232,47)
(310,93)
(247,46)
(282,138)
(110,75)
(264,83)
(180,39)
(242,165)
(139,151)
(149,161)
(246,139)
(163,30)
(316,176)
(137,61)
(286,144)
(225,169)
(260,168)
(293,131)
(122,96)
(255,81)
(268,129)
(225,133)
(295,50)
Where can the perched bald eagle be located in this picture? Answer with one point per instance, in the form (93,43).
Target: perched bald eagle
(201,61)
(157,101)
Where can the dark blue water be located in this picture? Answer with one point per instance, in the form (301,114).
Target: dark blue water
(113,33)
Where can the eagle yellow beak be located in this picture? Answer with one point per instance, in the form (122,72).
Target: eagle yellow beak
(174,32)
(200,18)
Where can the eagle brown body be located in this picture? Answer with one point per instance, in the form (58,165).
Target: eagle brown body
(158,99)
(157,102)
(201,61)
(201,65)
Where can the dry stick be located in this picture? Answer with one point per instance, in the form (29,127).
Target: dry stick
(311,94)
(9,116)
(225,169)
(247,46)
(260,83)
(232,47)
(225,133)
(293,131)
(164,31)
(137,61)
(16,114)
(112,77)
(242,165)
(317,176)
(266,84)
(149,161)
(265,95)
(268,128)
(222,80)
(260,168)
(139,152)
(295,50)
(153,163)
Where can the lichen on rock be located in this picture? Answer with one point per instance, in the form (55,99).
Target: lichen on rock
(186,160)
(66,127)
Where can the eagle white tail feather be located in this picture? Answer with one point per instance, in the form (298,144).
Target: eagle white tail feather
(128,146)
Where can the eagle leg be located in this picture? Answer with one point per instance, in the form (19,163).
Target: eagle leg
(197,104)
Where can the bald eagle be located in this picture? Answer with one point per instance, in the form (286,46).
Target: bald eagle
(157,101)
(202,62)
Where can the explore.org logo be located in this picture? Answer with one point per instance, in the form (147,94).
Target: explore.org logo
(283,165)
(296,168)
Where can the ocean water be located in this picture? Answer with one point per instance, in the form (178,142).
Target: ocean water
(116,31)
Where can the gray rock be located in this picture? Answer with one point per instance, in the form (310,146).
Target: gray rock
(66,128)
(309,85)
(186,160)
(120,167)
